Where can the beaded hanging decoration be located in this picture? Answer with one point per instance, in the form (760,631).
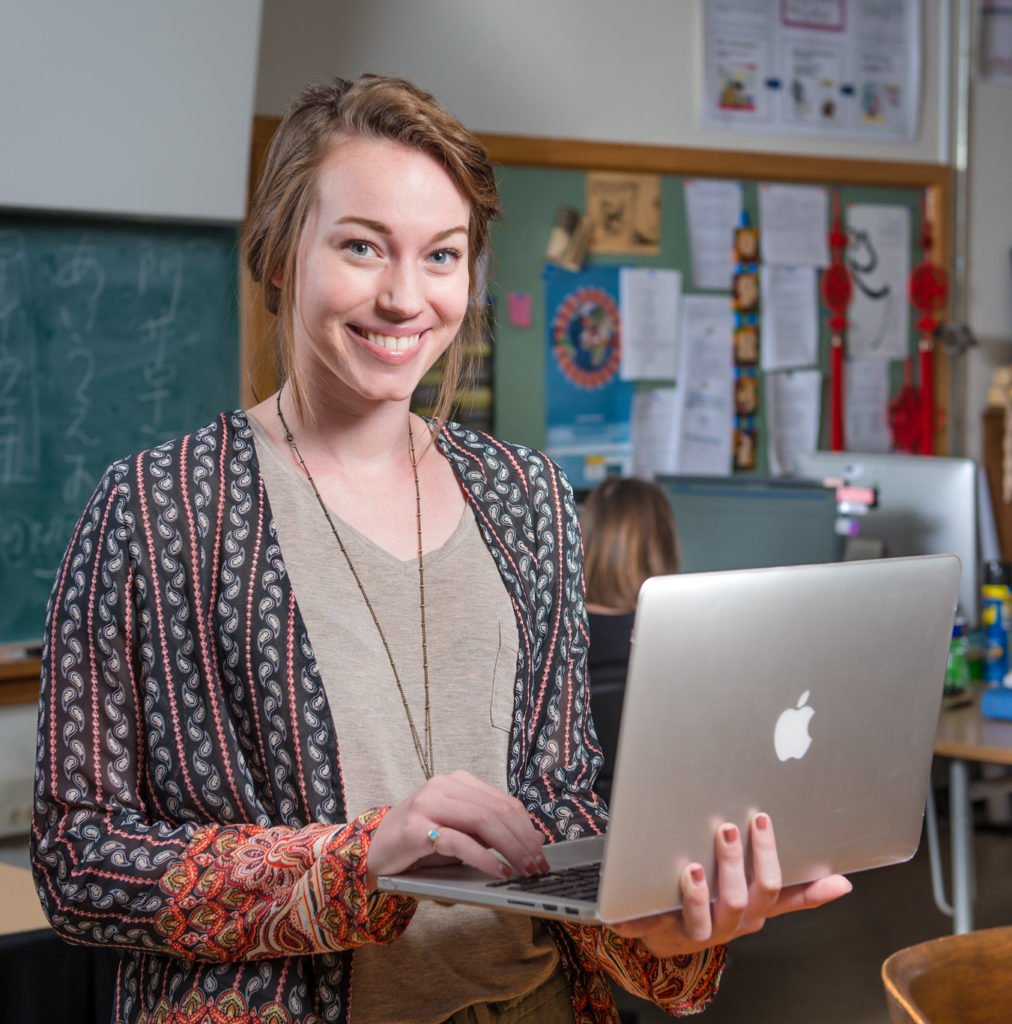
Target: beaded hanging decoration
(745,303)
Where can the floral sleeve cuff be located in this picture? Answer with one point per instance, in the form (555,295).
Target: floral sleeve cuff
(247,892)
(351,910)
(678,984)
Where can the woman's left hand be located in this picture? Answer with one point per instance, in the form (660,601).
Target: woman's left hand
(741,907)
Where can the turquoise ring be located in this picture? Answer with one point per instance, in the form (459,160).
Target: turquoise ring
(433,836)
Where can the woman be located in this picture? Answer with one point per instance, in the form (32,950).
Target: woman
(326,640)
(629,535)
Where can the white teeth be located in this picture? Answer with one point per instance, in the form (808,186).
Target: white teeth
(392,344)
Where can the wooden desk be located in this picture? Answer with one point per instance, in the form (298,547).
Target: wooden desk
(19,678)
(21,909)
(964,736)
(44,980)
(963,733)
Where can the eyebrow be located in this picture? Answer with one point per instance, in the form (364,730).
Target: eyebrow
(384,229)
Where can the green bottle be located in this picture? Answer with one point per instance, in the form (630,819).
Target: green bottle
(957,671)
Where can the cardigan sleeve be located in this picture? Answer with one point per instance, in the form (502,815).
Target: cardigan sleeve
(567,757)
(118,853)
(679,985)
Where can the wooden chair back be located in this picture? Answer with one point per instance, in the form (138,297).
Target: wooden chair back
(957,979)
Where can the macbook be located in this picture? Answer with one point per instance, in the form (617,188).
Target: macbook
(810,692)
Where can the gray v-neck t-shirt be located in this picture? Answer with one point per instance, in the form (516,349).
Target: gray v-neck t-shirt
(454,956)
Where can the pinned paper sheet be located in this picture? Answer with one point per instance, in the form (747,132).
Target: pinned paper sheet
(704,414)
(790,317)
(649,299)
(518,309)
(714,211)
(792,417)
(878,257)
(793,219)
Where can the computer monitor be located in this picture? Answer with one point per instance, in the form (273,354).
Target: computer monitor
(925,505)
(739,522)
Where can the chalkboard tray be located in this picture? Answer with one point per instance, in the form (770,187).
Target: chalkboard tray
(114,336)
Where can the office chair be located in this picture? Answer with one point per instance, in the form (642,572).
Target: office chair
(607,687)
(957,979)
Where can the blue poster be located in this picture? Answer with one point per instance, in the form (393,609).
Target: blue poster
(588,407)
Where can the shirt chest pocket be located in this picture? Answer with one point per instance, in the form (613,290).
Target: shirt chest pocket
(504,677)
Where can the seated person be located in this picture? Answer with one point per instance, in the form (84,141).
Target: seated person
(628,535)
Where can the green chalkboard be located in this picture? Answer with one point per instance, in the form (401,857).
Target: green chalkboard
(114,337)
(531,195)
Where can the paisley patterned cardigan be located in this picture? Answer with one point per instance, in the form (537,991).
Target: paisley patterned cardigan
(189,807)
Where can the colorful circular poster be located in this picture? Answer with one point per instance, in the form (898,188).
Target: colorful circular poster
(586,338)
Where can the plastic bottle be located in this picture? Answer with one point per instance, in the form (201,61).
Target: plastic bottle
(995,611)
(957,671)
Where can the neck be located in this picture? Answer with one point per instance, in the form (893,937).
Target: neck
(373,438)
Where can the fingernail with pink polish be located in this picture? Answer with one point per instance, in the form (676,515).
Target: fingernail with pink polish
(762,822)
(729,833)
(697,875)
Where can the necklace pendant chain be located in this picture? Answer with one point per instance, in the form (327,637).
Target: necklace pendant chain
(425,758)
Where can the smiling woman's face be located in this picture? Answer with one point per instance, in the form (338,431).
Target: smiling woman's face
(381,282)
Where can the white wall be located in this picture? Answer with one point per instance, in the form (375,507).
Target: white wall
(989,250)
(120,107)
(630,72)
(606,70)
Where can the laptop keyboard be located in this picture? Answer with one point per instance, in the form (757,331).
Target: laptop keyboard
(577,883)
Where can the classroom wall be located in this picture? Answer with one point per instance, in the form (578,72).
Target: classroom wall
(989,252)
(144,108)
(114,106)
(630,72)
(590,69)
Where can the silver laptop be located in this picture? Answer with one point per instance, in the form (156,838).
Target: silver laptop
(810,692)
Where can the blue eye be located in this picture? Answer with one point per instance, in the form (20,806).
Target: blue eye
(359,248)
(444,257)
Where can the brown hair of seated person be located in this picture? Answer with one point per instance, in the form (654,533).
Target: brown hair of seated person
(628,535)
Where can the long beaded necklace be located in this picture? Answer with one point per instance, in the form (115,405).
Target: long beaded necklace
(424,753)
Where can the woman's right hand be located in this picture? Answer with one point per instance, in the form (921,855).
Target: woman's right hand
(472,817)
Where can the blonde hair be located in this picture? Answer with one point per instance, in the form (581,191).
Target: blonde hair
(377,107)
(628,535)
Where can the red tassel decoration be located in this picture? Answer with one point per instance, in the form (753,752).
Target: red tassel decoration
(928,290)
(836,394)
(837,289)
(926,352)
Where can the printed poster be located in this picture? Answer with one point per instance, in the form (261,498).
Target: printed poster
(878,258)
(588,407)
(843,68)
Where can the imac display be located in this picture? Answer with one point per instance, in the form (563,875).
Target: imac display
(924,505)
(750,522)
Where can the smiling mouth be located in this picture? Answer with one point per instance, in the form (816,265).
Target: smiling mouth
(389,341)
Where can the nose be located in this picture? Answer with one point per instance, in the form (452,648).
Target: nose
(401,291)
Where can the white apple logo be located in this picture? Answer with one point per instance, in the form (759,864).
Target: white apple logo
(790,738)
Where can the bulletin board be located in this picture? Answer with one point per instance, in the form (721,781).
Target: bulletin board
(537,176)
